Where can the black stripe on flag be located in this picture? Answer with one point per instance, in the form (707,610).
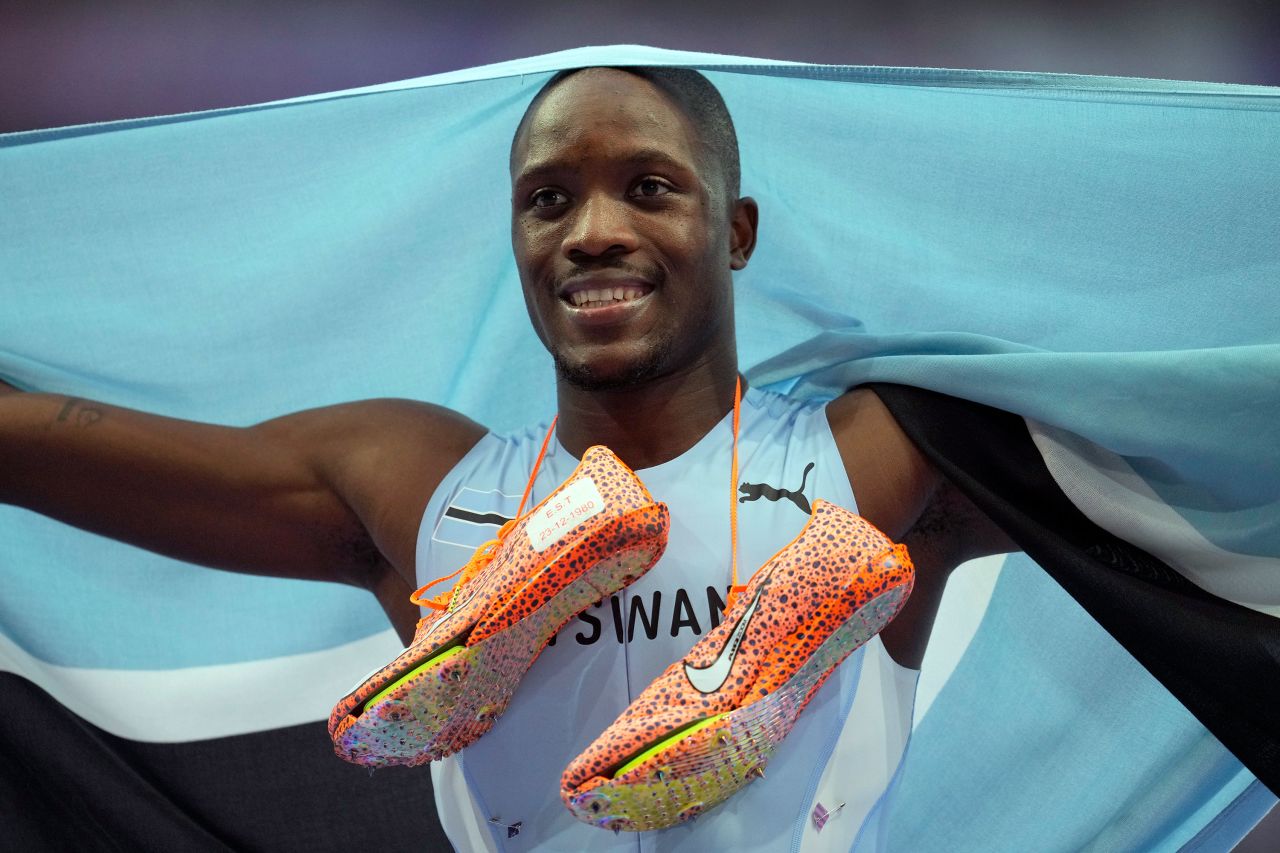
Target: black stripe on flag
(1221,660)
(69,785)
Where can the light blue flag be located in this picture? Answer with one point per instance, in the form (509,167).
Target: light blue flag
(1099,255)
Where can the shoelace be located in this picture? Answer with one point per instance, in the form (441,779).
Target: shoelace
(484,555)
(734,588)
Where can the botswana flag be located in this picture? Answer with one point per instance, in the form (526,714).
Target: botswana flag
(1095,256)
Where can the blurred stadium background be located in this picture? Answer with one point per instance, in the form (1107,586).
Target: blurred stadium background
(79,61)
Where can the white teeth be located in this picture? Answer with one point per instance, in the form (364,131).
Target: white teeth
(598,297)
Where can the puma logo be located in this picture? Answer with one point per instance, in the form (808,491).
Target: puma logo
(755,491)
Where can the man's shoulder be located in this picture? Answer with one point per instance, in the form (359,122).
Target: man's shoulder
(378,421)
(384,458)
(889,475)
(892,478)
(500,461)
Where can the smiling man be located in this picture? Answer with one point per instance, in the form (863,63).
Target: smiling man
(627,226)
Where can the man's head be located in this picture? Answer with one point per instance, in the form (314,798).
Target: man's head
(626,223)
(696,97)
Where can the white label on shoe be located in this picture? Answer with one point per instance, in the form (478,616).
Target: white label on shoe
(574,504)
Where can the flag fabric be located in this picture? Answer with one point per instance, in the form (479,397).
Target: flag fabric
(1212,654)
(1095,255)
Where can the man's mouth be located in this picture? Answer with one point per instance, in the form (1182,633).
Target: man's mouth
(601,297)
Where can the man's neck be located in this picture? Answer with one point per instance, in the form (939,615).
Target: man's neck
(648,424)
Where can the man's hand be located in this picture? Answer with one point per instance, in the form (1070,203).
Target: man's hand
(332,494)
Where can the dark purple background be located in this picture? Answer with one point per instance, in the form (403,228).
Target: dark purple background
(80,61)
(84,61)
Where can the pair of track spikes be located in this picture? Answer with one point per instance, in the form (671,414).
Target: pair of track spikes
(705,727)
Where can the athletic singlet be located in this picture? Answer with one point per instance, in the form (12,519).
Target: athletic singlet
(502,793)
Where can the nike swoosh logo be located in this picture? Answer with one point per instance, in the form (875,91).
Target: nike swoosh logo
(709,679)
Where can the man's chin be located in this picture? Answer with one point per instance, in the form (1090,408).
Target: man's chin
(607,374)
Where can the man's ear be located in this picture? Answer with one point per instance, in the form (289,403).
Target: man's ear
(743,222)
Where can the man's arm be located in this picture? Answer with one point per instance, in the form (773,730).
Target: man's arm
(332,494)
(899,491)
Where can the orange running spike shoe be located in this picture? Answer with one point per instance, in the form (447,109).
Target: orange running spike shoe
(596,533)
(709,724)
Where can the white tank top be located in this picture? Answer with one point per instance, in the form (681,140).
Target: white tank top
(502,793)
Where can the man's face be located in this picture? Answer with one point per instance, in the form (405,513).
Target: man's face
(623,233)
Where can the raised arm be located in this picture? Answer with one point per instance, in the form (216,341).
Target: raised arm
(332,494)
(899,491)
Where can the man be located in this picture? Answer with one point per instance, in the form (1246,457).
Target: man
(620,182)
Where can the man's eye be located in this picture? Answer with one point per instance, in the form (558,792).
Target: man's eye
(548,198)
(650,187)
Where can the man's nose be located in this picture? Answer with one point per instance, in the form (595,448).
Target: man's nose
(601,227)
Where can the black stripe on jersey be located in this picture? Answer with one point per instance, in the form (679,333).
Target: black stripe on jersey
(461,514)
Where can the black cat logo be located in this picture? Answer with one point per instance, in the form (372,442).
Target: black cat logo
(755,491)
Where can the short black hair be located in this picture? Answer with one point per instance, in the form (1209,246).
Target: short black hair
(697,97)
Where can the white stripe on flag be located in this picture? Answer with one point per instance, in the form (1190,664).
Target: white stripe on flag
(1112,495)
(203,702)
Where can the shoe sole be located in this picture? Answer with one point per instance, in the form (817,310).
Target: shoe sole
(453,697)
(703,765)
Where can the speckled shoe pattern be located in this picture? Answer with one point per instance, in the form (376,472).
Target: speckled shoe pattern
(710,723)
(595,534)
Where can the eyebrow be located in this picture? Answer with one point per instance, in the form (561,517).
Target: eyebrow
(639,157)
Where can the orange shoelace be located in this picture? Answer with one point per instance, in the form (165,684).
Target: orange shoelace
(734,587)
(484,555)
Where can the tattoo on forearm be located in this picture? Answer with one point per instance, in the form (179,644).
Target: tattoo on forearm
(75,411)
(66,409)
